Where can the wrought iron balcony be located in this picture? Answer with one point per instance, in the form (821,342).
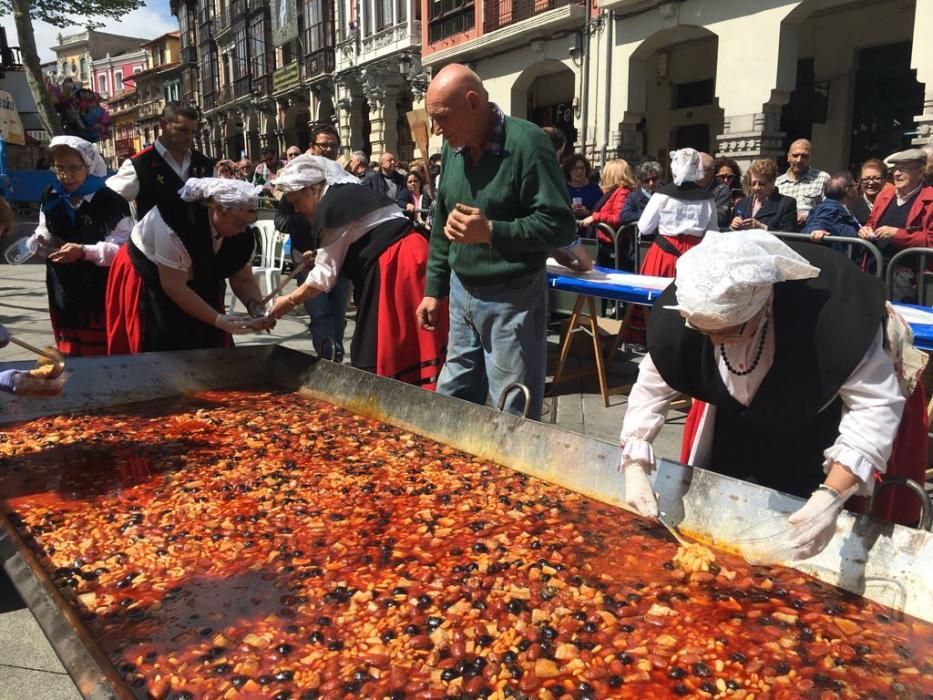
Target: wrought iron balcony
(318,63)
(501,13)
(189,54)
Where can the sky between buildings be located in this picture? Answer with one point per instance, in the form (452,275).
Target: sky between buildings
(148,22)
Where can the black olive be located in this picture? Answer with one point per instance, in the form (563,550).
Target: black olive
(434,622)
(709,688)
(738,657)
(238,681)
(316,637)
(424,600)
(324,621)
(284,676)
(624,658)
(282,695)
(702,670)
(265,680)
(515,606)
(584,687)
(627,628)
(590,627)
(614,681)
(783,668)
(549,632)
(412,630)
(222,669)
(733,685)
(388,636)
(676,673)
(127,668)
(335,645)
(284,649)
(681,689)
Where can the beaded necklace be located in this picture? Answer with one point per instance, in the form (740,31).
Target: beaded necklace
(754,364)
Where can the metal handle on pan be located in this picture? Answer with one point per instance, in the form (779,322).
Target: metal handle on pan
(926,506)
(524,389)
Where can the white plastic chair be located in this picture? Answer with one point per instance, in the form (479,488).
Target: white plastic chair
(271,259)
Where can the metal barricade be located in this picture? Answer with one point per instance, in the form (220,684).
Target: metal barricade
(848,241)
(924,277)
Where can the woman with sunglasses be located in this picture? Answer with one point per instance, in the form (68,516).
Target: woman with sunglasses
(84,223)
(781,348)
(166,289)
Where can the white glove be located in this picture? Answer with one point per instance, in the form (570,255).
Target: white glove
(814,524)
(232,324)
(638,491)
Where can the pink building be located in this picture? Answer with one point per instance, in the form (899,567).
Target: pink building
(108,74)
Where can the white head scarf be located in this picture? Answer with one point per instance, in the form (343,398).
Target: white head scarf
(686,166)
(305,171)
(89,154)
(726,279)
(233,194)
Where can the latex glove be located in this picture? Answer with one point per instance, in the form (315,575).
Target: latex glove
(234,325)
(638,491)
(4,336)
(8,380)
(816,522)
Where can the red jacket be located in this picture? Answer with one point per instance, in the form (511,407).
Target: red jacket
(919,231)
(610,212)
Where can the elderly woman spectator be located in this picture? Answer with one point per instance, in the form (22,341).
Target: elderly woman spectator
(617,183)
(833,216)
(225,169)
(765,208)
(583,193)
(245,170)
(649,177)
(873,177)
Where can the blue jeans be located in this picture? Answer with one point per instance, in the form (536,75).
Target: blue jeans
(328,322)
(498,335)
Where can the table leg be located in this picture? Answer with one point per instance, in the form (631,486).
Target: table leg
(568,338)
(598,351)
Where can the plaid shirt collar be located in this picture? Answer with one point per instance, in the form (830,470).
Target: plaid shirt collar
(496,137)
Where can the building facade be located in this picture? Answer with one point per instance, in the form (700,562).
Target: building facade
(158,83)
(108,73)
(75,54)
(124,141)
(639,78)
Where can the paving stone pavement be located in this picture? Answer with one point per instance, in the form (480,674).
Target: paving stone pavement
(28,665)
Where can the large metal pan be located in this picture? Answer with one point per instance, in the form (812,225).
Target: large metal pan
(886,563)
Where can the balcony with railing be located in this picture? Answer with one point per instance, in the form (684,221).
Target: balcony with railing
(500,13)
(318,44)
(229,13)
(151,109)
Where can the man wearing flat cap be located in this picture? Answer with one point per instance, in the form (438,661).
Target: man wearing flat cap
(903,217)
(782,349)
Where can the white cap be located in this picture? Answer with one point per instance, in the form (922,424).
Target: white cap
(686,166)
(89,154)
(233,194)
(305,171)
(727,278)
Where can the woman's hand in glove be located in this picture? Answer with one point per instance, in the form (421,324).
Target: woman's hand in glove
(815,523)
(235,325)
(638,491)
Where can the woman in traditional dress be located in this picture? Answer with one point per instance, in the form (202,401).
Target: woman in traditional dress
(84,223)
(166,290)
(785,353)
(365,237)
(680,212)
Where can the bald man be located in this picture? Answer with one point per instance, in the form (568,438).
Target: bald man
(801,181)
(501,206)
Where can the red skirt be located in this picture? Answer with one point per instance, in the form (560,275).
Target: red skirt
(908,460)
(659,263)
(405,351)
(87,341)
(122,308)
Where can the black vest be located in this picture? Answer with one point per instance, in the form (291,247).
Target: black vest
(77,290)
(823,327)
(158,183)
(164,325)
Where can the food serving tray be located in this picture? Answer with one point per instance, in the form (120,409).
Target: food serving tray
(885,563)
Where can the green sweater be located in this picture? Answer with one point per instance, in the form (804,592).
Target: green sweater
(521,191)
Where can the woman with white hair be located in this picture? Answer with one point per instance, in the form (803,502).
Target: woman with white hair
(166,290)
(365,237)
(680,212)
(84,224)
(782,350)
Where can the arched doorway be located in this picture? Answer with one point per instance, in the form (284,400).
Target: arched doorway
(672,91)
(544,94)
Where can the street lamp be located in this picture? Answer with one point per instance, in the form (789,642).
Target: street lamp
(410,67)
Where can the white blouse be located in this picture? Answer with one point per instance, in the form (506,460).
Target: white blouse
(335,242)
(872,405)
(677,217)
(160,245)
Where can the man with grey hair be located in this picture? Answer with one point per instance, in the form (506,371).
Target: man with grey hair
(358,164)
(649,177)
(928,172)
(802,181)
(833,216)
(722,195)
